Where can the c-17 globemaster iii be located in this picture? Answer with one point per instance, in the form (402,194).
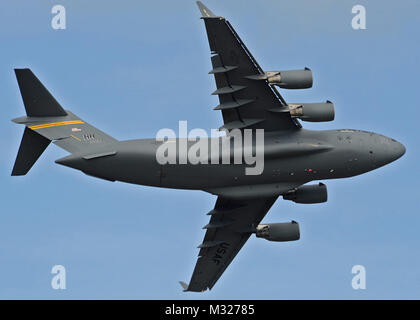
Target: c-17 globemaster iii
(249,100)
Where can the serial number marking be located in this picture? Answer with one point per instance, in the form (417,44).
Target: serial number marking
(221,309)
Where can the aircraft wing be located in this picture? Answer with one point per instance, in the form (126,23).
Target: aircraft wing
(244,102)
(231,224)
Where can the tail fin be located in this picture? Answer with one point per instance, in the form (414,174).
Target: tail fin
(36,98)
(47,121)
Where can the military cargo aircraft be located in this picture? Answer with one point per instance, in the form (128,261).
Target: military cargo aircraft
(249,100)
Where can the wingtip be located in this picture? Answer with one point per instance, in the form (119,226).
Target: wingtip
(184,285)
(205,12)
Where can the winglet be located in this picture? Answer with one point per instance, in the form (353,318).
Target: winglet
(184,285)
(206,12)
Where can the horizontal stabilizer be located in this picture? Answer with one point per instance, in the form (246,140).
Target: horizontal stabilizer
(31,148)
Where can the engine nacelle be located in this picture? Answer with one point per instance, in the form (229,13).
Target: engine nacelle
(286,231)
(313,112)
(315,193)
(291,79)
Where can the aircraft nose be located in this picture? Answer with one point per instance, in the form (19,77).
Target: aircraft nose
(387,150)
(397,149)
(383,150)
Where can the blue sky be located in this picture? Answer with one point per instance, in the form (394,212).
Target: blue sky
(133,67)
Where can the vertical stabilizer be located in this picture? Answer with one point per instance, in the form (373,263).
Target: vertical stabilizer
(37,99)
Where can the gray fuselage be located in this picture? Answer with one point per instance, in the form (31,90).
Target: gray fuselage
(291,158)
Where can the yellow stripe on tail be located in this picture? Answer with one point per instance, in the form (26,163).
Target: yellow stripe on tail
(54,124)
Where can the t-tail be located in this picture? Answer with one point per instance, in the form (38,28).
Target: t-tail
(47,121)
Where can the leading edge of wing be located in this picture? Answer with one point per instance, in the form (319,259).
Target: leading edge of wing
(244,103)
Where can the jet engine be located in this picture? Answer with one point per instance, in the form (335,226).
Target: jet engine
(286,231)
(313,112)
(291,79)
(315,193)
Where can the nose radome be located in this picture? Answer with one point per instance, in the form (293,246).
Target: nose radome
(394,150)
(385,150)
(398,149)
